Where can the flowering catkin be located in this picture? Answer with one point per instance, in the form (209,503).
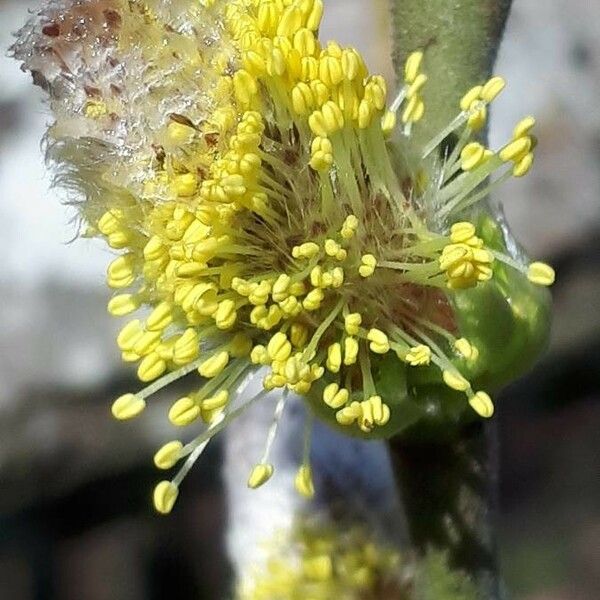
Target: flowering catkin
(255,186)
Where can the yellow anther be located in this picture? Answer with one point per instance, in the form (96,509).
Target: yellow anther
(214,365)
(119,239)
(120,272)
(154,248)
(303,482)
(352,65)
(290,22)
(187,347)
(244,86)
(303,101)
(350,350)
(414,110)
(281,288)
(184,412)
(327,280)
(522,167)
(417,85)
(258,313)
(191,269)
(334,396)
(516,149)
(492,88)
(321,92)
(473,95)
(160,317)
(482,404)
(110,221)
(333,49)
(376,91)
(334,357)
(127,407)
(333,117)
(268,16)
(349,227)
(337,273)
(366,111)
(316,371)
(379,411)
(165,349)
(216,402)
(185,185)
(368,264)
(321,154)
(523,127)
(462,232)
(260,474)
(330,71)
(259,355)
(349,414)
(365,421)
(305,42)
(388,122)
(352,322)
(279,347)
(464,347)
(168,455)
(129,335)
(151,367)
(412,66)
(341,255)
(313,20)
(312,300)
(472,155)
(477,118)
(418,355)
(226,314)
(306,250)
(454,380)
(331,247)
(298,335)
(233,186)
(147,342)
(165,496)
(380,343)
(466,265)
(316,276)
(260,293)
(309,67)
(291,306)
(541,274)
(123,304)
(293,369)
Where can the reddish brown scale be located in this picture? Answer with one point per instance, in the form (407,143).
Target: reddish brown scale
(426,302)
(51,30)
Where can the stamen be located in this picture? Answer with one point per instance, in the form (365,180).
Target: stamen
(304,481)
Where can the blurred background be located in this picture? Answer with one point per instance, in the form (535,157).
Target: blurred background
(75,517)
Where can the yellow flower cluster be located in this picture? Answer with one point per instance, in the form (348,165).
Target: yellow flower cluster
(324,562)
(242,172)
